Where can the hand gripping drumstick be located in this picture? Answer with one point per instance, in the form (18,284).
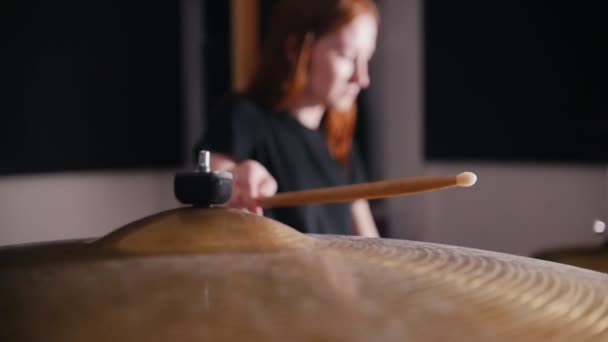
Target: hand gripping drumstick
(372,190)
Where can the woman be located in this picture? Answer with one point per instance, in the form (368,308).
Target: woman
(293,127)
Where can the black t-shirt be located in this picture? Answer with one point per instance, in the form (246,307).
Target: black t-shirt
(296,156)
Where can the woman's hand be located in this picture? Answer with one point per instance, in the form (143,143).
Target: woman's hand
(250,180)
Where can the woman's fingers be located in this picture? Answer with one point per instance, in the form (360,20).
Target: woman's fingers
(268,187)
(250,181)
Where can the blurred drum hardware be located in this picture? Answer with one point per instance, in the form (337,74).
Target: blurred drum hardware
(590,257)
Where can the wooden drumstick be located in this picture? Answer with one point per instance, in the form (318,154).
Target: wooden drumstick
(372,190)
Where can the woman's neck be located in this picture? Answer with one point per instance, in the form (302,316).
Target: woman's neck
(308,115)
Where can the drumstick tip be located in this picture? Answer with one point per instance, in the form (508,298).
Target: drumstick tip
(466,179)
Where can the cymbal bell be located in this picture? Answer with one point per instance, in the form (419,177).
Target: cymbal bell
(223,274)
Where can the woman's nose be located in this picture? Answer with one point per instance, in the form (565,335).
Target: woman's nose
(361,76)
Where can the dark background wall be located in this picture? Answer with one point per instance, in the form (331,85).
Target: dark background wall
(90,85)
(515,81)
(97,85)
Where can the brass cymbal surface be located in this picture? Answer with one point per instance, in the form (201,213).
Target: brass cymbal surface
(225,275)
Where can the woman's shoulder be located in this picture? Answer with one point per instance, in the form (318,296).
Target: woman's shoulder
(241,107)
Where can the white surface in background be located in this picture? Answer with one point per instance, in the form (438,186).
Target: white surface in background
(79,205)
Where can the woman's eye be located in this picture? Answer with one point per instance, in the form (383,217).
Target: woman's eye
(345,55)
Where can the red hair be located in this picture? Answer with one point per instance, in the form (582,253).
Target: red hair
(280,80)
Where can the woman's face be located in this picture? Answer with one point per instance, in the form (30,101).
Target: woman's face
(339,63)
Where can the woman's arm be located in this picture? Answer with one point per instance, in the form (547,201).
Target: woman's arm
(250,179)
(363,221)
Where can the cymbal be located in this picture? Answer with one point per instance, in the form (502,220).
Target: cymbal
(223,274)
